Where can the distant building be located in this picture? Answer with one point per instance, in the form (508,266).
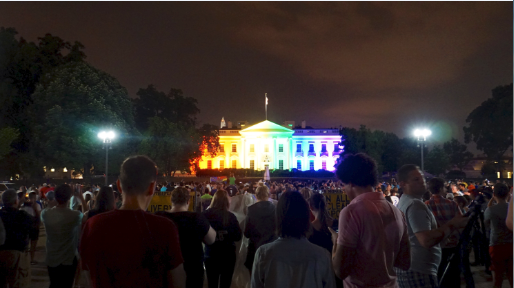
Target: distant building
(273,145)
(474,167)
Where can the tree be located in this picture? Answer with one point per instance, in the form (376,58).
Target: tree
(384,147)
(170,145)
(411,152)
(208,142)
(457,153)
(71,105)
(490,124)
(437,161)
(488,170)
(174,107)
(22,64)
(7,136)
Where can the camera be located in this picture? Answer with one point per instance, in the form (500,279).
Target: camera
(476,204)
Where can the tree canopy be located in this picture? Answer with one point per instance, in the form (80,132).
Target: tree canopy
(458,153)
(71,105)
(490,124)
(437,161)
(174,106)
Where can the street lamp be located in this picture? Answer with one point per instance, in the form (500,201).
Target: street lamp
(106,137)
(422,135)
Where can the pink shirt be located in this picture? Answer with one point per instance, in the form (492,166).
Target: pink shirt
(375,228)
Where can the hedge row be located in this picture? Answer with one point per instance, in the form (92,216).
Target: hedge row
(273,173)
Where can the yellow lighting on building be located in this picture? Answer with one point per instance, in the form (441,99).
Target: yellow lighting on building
(44,168)
(64,169)
(498,174)
(52,170)
(509,175)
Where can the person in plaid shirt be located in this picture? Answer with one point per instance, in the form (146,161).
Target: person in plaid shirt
(444,210)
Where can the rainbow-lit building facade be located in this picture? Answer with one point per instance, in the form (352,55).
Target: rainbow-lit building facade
(276,146)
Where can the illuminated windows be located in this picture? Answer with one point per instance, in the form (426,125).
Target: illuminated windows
(209,164)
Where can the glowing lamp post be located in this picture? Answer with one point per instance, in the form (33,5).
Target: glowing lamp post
(106,137)
(422,135)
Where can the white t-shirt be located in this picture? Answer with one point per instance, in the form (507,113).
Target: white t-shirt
(395,200)
(30,210)
(87,192)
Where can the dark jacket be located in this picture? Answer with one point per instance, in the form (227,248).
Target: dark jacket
(17,225)
(226,233)
(260,226)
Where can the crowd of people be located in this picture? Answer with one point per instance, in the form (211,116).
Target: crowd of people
(401,233)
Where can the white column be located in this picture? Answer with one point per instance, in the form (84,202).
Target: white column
(243,154)
(275,153)
(258,153)
(316,157)
(288,153)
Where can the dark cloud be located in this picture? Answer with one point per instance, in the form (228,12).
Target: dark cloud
(388,65)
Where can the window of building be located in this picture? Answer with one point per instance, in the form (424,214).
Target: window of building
(299,164)
(281,164)
(324,165)
(336,147)
(222,147)
(234,163)
(280,147)
(252,148)
(298,147)
(252,164)
(311,164)
(323,147)
(209,164)
(266,148)
(234,148)
(222,164)
(311,147)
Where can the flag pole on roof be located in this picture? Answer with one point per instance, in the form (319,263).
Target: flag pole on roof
(266,106)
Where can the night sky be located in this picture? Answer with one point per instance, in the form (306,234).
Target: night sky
(389,66)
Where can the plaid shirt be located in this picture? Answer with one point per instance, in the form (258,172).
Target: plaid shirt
(444,210)
(412,279)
